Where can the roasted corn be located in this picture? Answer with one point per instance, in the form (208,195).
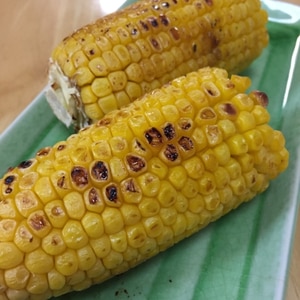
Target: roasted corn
(105,65)
(133,184)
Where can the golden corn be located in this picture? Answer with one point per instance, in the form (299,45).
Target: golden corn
(106,65)
(124,197)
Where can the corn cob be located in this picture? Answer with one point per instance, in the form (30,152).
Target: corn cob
(109,63)
(131,185)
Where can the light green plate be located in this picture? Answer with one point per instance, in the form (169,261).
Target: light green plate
(245,255)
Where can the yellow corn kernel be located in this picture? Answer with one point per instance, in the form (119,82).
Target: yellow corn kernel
(7,230)
(86,258)
(93,225)
(53,243)
(56,280)
(10,255)
(17,278)
(237,144)
(67,262)
(103,201)
(74,205)
(136,236)
(74,235)
(177,176)
(37,284)
(38,261)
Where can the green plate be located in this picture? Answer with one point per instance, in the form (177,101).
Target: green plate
(244,255)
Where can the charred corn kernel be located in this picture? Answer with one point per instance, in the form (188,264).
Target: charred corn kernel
(122,198)
(119,61)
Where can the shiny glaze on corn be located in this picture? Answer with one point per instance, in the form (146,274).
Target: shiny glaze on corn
(133,184)
(105,65)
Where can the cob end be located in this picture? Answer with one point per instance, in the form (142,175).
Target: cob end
(64,99)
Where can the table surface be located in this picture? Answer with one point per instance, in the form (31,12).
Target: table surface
(29,30)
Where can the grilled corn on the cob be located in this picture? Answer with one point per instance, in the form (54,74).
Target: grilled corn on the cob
(109,63)
(131,185)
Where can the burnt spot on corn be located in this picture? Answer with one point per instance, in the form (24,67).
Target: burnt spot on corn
(44,151)
(79,176)
(153,22)
(100,171)
(57,211)
(93,196)
(209,2)
(134,31)
(9,179)
(194,47)
(25,164)
(61,182)
(154,137)
(135,163)
(169,131)
(130,186)
(185,124)
(61,147)
(38,221)
(175,33)
(144,25)
(186,143)
(164,20)
(171,152)
(104,122)
(207,113)
(111,193)
(138,145)
(8,190)
(260,97)
(155,44)
(229,109)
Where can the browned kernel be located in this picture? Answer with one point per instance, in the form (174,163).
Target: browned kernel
(207,113)
(130,186)
(135,163)
(153,137)
(175,33)
(138,145)
(111,192)
(260,97)
(104,122)
(155,44)
(9,179)
(164,20)
(153,21)
(44,151)
(171,152)
(229,109)
(25,164)
(185,123)
(61,147)
(57,211)
(186,143)
(93,196)
(100,171)
(144,25)
(61,182)
(79,176)
(38,221)
(169,131)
